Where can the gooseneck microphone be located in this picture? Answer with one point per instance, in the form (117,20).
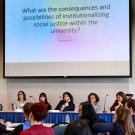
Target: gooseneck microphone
(104,111)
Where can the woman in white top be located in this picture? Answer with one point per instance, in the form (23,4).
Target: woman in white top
(21,100)
(94,100)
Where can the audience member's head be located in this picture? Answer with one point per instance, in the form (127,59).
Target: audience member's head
(21,96)
(67,97)
(87,112)
(43,97)
(130,104)
(77,128)
(124,117)
(38,112)
(27,109)
(121,97)
(93,98)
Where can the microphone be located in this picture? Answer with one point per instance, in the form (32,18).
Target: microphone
(104,111)
(31,97)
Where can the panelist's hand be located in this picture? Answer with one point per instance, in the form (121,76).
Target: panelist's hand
(120,104)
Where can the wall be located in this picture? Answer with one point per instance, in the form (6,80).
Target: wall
(132,80)
(3,82)
(80,88)
(55,87)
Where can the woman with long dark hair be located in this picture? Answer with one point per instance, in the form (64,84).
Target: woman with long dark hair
(119,102)
(43,99)
(93,98)
(87,113)
(67,104)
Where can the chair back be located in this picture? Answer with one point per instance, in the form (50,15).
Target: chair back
(59,128)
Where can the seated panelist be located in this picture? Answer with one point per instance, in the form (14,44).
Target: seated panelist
(119,102)
(94,100)
(43,99)
(67,104)
(21,100)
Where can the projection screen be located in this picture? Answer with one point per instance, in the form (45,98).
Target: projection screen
(75,38)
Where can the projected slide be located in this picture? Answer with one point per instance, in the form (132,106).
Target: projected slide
(67,38)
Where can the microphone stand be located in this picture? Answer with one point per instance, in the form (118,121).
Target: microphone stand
(104,111)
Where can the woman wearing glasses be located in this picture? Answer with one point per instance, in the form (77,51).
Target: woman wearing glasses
(21,100)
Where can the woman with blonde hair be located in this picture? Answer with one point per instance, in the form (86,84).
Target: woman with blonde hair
(122,124)
(124,117)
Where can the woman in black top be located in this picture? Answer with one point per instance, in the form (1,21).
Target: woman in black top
(67,104)
(87,113)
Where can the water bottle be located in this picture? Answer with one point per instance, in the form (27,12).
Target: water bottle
(67,119)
